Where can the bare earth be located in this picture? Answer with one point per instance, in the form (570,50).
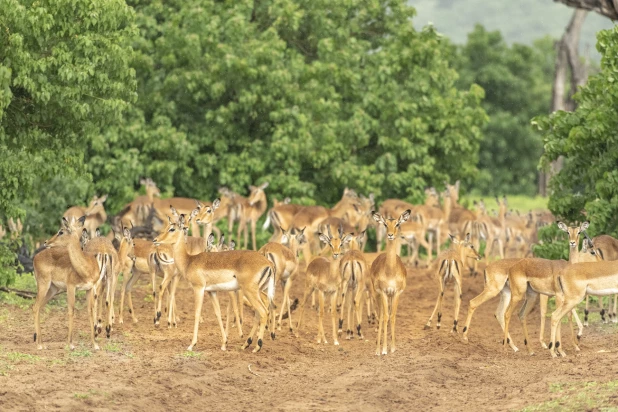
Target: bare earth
(143,368)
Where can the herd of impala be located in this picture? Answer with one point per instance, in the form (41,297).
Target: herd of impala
(337,270)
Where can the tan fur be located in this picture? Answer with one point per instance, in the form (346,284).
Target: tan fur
(94,212)
(449,265)
(388,279)
(354,275)
(212,272)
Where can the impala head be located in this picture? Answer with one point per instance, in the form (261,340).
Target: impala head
(151,188)
(205,213)
(257,194)
(174,232)
(453,191)
(96,205)
(127,244)
(356,242)
(573,232)
(336,242)
(392,225)
(466,247)
(69,229)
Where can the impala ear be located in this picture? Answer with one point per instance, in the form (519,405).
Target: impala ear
(404,216)
(562,226)
(232,245)
(210,241)
(453,239)
(347,238)
(65,222)
(103,198)
(127,233)
(286,201)
(97,232)
(194,213)
(324,238)
(264,185)
(216,203)
(174,211)
(584,226)
(378,217)
(169,219)
(198,204)
(81,221)
(468,237)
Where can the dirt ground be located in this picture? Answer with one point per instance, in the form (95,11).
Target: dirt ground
(143,368)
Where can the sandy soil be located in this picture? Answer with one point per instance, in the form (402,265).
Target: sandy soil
(143,368)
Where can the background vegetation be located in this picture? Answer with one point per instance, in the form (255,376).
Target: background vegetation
(196,94)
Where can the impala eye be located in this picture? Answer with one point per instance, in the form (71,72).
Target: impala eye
(60,233)
(172,230)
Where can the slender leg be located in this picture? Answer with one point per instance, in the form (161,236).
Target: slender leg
(562,308)
(505,298)
(429,250)
(199,300)
(380,322)
(516,297)
(217,308)
(253,234)
(171,315)
(490,291)
(393,319)
(123,291)
(543,300)
(458,281)
(321,333)
(333,315)
(261,317)
(71,309)
(358,308)
(527,307)
(286,302)
(44,288)
(436,309)
(614,319)
(308,293)
(90,304)
(234,301)
(386,314)
(586,310)
(167,278)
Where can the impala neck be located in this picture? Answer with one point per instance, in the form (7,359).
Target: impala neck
(574,254)
(261,205)
(182,258)
(80,261)
(392,246)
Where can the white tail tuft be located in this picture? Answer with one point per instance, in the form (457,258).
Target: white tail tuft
(271,286)
(267,223)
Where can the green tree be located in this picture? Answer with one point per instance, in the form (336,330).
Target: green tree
(64,75)
(311,96)
(518,83)
(587,139)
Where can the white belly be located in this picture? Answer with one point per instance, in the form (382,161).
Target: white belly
(59,285)
(85,286)
(601,292)
(229,286)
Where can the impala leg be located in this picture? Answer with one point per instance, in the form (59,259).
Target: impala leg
(253,234)
(490,291)
(123,292)
(307,295)
(516,297)
(603,318)
(171,314)
(153,273)
(333,315)
(100,307)
(368,302)
(380,322)
(386,314)
(429,248)
(198,294)
(321,333)
(261,317)
(580,327)
(286,302)
(167,278)
(134,277)
(235,302)
(543,300)
(436,309)
(246,234)
(501,247)
(241,305)
(614,319)
(217,308)
(505,298)
(586,310)
(562,308)
(90,305)
(458,296)
(570,323)
(393,319)
(44,289)
(71,310)
(526,308)
(112,298)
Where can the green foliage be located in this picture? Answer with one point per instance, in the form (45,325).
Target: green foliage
(64,75)
(552,243)
(310,96)
(588,140)
(517,82)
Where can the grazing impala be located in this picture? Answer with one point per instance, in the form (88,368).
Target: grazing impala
(224,271)
(388,278)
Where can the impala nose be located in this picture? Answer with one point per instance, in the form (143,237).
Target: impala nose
(573,244)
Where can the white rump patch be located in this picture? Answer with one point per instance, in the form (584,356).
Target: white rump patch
(229,286)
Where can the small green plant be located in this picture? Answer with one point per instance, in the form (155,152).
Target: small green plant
(112,347)
(82,352)
(22,357)
(81,395)
(191,355)
(578,396)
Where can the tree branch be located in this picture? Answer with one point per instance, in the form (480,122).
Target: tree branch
(607,8)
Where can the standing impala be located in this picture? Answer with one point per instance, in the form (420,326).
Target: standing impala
(324,277)
(95,214)
(250,211)
(388,278)
(225,271)
(354,276)
(450,264)
(65,266)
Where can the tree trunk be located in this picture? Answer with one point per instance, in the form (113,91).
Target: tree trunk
(567,59)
